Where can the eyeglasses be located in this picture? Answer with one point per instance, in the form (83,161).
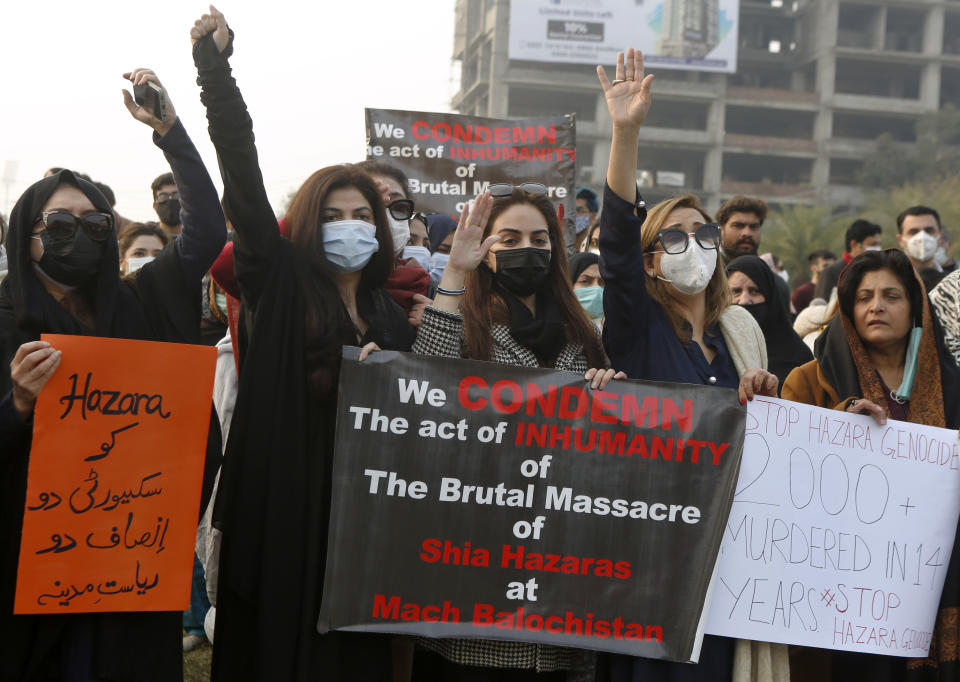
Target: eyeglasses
(62,225)
(674,240)
(401,209)
(167,196)
(505,189)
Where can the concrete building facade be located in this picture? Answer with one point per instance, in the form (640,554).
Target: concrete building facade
(817,81)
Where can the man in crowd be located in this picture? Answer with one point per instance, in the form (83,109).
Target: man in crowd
(861,236)
(819,260)
(918,234)
(166,202)
(741,221)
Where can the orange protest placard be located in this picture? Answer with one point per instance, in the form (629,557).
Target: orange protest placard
(113,489)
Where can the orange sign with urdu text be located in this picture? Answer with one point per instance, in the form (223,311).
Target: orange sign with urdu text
(113,490)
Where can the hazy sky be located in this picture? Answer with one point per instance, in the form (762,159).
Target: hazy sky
(306,68)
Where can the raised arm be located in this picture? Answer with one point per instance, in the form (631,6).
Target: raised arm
(628,101)
(625,298)
(204,230)
(441,329)
(231,131)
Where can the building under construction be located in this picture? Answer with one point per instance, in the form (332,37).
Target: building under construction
(816,82)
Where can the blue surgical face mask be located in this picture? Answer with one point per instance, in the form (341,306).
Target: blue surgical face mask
(221,301)
(438,262)
(349,244)
(421,253)
(591,298)
(582,223)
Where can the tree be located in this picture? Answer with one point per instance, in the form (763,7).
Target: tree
(936,153)
(795,231)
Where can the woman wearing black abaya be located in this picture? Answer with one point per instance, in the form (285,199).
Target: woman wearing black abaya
(753,286)
(304,298)
(64,278)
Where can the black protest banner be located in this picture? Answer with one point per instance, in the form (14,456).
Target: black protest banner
(450,158)
(485,500)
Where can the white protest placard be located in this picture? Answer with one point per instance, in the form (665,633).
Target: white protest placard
(840,533)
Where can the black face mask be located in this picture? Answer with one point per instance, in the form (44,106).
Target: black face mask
(760,312)
(71,261)
(169,212)
(522,271)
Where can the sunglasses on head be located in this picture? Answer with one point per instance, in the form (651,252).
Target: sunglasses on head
(422,217)
(674,240)
(62,225)
(505,189)
(401,209)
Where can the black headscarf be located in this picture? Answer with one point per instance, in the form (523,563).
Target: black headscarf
(28,310)
(785,349)
(580,262)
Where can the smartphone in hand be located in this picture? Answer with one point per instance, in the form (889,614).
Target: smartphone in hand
(150,96)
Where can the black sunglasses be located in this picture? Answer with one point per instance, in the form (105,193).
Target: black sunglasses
(62,225)
(401,209)
(505,189)
(674,240)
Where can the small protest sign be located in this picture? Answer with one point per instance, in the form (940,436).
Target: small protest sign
(113,489)
(451,158)
(486,500)
(840,532)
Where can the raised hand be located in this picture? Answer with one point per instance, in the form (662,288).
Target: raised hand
(213,22)
(141,77)
(628,97)
(469,247)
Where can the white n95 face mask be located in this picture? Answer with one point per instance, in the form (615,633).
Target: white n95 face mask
(922,246)
(689,272)
(349,244)
(400,231)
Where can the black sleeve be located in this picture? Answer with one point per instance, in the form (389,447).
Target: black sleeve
(245,198)
(13,430)
(204,230)
(626,301)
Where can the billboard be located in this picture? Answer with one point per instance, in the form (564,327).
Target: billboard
(697,35)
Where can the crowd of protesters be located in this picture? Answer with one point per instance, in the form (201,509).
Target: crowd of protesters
(658,293)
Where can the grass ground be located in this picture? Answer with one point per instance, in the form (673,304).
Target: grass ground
(196,664)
